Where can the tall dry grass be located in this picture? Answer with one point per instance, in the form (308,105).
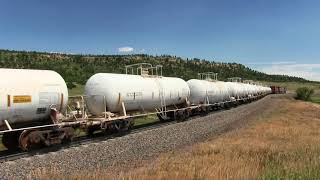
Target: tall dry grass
(283,143)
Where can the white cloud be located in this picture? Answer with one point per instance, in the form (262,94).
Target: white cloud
(283,62)
(142,51)
(307,71)
(271,63)
(125,49)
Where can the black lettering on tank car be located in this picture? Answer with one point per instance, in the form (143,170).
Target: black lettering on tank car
(41,110)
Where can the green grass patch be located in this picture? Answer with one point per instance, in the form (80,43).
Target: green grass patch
(78,90)
(79,132)
(146,120)
(300,164)
(315,99)
(305,173)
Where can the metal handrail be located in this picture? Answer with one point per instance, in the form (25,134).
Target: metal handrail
(209,76)
(144,69)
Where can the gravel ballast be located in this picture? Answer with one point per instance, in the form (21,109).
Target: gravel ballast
(138,146)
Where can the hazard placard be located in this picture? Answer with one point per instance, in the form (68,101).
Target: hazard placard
(21,99)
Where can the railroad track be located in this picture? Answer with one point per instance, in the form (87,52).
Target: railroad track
(78,141)
(6,156)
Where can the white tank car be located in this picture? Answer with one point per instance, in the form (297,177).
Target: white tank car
(246,89)
(267,90)
(107,91)
(203,91)
(239,90)
(26,95)
(249,89)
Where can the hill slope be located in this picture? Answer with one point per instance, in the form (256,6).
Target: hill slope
(78,68)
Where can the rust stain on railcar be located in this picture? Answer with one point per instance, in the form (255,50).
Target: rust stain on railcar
(61,102)
(8,100)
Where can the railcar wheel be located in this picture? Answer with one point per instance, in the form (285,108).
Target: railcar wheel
(226,106)
(68,135)
(235,104)
(29,139)
(187,113)
(91,130)
(131,125)
(180,116)
(10,140)
(204,110)
(24,140)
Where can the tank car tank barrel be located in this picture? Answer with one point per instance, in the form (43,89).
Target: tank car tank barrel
(135,91)
(31,93)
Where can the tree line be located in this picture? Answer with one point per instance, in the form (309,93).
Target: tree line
(78,68)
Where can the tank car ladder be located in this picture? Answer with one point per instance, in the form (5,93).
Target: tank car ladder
(163,101)
(162,111)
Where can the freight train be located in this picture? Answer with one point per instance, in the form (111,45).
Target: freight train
(35,109)
(278,90)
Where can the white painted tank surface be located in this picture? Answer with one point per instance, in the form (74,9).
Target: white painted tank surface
(259,89)
(267,90)
(236,89)
(203,91)
(246,89)
(250,89)
(26,95)
(240,90)
(225,90)
(107,91)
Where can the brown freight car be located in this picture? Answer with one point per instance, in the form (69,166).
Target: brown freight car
(278,90)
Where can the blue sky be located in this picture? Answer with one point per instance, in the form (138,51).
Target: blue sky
(273,36)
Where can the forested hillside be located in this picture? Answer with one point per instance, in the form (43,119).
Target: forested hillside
(78,68)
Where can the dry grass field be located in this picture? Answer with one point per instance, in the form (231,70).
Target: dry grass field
(281,143)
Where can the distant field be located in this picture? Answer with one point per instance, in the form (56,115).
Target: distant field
(292,86)
(315,99)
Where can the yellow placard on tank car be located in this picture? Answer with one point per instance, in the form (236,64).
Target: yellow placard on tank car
(21,99)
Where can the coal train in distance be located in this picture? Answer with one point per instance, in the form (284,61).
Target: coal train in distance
(36,111)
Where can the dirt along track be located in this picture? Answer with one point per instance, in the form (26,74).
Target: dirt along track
(131,149)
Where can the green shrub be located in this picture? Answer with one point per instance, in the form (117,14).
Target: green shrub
(304,93)
(71,85)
